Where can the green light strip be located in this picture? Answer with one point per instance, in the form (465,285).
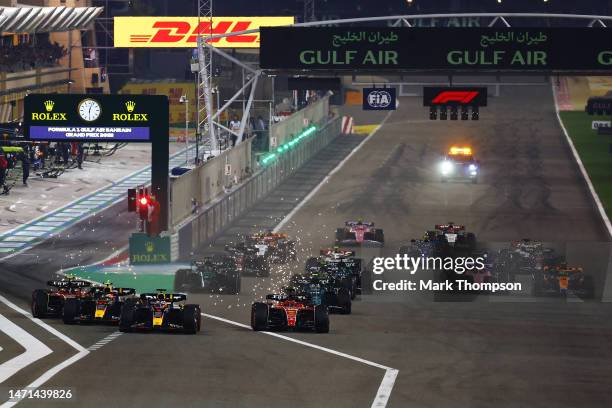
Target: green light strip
(288,146)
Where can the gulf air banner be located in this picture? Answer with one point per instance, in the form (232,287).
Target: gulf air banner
(182,32)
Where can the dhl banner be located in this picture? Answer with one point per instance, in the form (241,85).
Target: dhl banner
(182,32)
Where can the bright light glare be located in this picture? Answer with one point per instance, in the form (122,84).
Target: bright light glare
(446,167)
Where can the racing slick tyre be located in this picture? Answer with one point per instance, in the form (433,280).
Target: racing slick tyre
(588,287)
(538,285)
(340,234)
(344,301)
(127,317)
(259,316)
(71,310)
(180,279)
(321,319)
(40,301)
(470,239)
(192,319)
(379,236)
(233,287)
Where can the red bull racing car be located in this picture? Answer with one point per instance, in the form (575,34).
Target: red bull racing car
(161,311)
(289,311)
(50,302)
(358,233)
(102,304)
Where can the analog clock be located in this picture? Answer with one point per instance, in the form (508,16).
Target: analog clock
(89,110)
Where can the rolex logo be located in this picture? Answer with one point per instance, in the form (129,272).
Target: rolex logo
(49,105)
(130,105)
(149,247)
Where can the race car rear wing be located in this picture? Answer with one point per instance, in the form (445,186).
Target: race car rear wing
(68,283)
(443,227)
(354,223)
(166,297)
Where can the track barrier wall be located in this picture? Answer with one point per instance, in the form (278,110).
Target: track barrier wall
(209,223)
(283,131)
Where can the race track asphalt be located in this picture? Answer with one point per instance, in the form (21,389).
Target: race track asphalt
(482,351)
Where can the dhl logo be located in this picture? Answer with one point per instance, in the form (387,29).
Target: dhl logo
(175,32)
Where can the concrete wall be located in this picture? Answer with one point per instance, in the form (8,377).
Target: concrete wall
(207,181)
(284,131)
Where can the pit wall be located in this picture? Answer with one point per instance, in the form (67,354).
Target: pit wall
(283,131)
(209,180)
(210,222)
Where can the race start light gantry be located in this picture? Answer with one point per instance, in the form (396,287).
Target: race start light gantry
(409,48)
(89,118)
(182,32)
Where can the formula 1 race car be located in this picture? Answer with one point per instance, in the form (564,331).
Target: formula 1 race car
(214,274)
(459,163)
(359,232)
(324,289)
(101,304)
(161,311)
(259,251)
(50,302)
(561,280)
(527,257)
(453,236)
(281,248)
(289,311)
(341,264)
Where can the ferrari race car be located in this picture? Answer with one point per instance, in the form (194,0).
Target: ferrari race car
(161,311)
(324,289)
(289,311)
(50,302)
(561,280)
(214,274)
(101,304)
(359,232)
(459,163)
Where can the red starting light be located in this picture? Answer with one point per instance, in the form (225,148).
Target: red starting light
(143,200)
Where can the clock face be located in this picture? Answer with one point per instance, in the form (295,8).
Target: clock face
(89,110)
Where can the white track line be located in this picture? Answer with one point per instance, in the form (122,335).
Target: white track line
(602,211)
(104,341)
(386,386)
(47,375)
(34,349)
(331,173)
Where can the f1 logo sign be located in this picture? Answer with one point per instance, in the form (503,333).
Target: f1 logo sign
(476,96)
(379,98)
(455,96)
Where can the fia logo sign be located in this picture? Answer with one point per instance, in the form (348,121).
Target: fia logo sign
(379,99)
